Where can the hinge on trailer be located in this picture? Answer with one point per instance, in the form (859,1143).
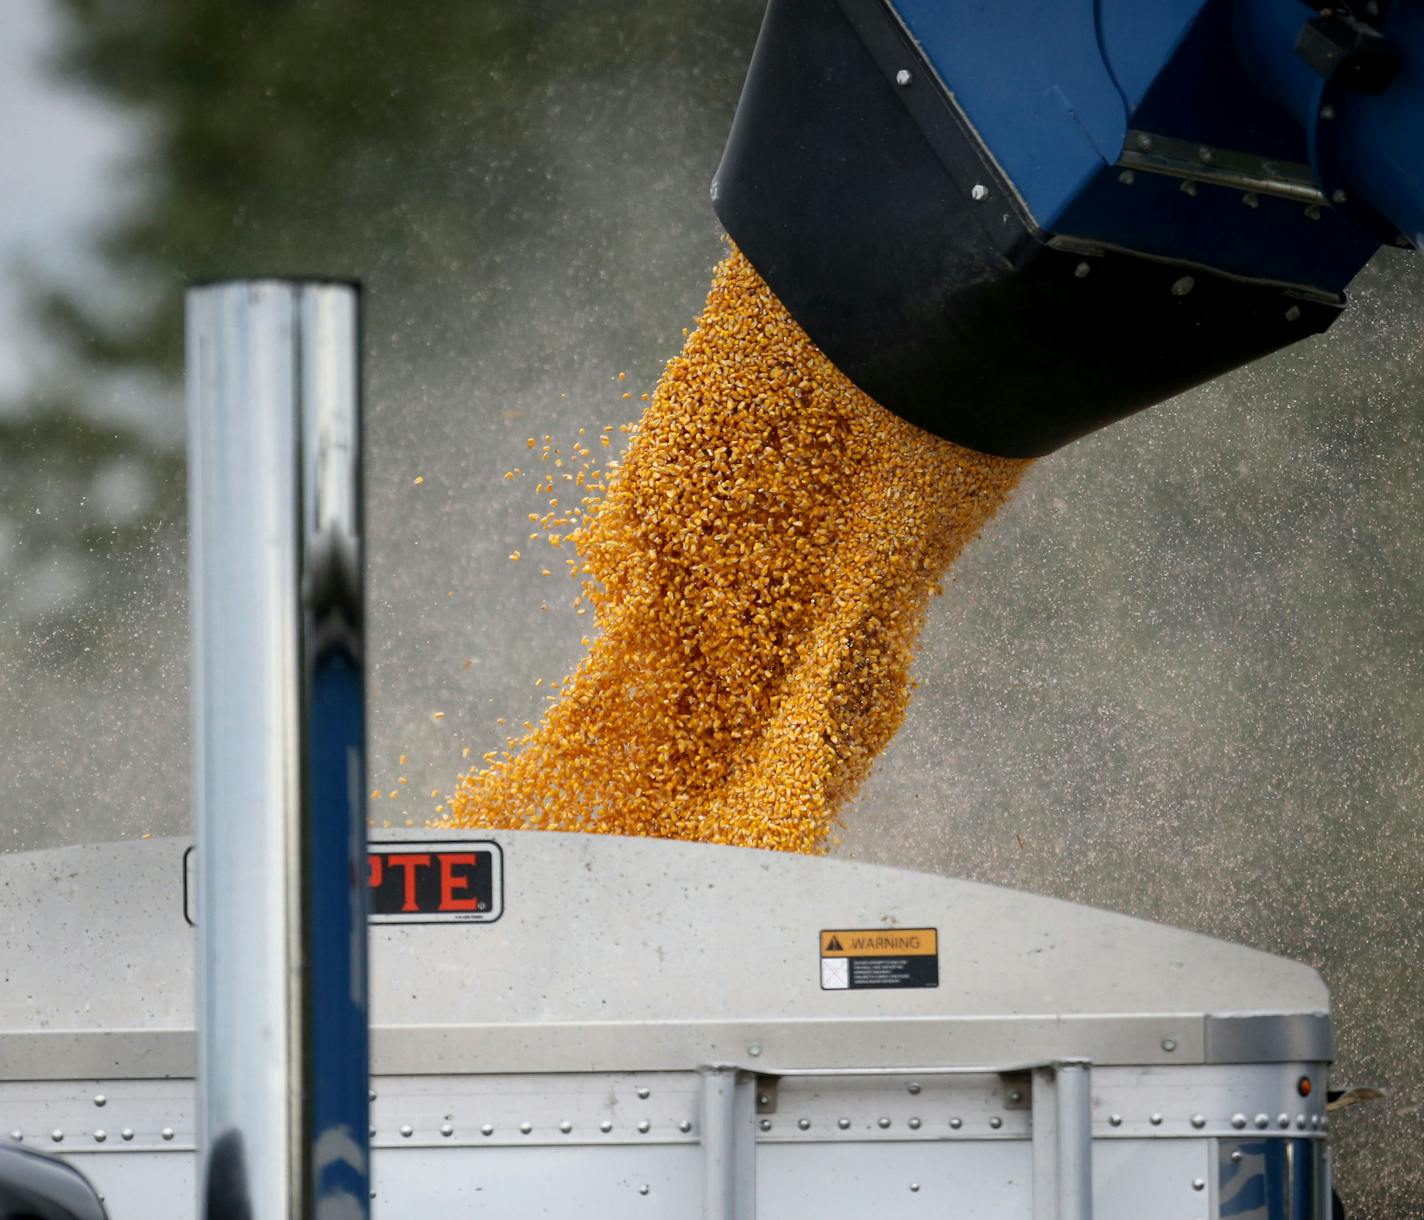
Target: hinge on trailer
(766,1094)
(1018,1090)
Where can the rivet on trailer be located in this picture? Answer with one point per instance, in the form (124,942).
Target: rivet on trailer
(759,1035)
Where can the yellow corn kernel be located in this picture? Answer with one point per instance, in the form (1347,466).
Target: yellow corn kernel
(758,566)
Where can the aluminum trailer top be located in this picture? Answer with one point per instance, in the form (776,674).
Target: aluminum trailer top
(644,1028)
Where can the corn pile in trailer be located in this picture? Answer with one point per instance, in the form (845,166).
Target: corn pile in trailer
(759,570)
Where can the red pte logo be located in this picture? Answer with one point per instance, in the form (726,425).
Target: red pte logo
(414,880)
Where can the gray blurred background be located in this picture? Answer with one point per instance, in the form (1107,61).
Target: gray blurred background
(1180,676)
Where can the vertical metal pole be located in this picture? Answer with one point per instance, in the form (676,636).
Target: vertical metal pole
(275,553)
(728,1145)
(719,1143)
(1075,1140)
(1045,1143)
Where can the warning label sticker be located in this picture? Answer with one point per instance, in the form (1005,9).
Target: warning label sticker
(879,957)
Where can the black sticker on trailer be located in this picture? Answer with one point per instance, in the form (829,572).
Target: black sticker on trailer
(426,881)
(853,959)
(435,881)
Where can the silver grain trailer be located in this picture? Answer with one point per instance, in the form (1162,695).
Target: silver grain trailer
(634,1028)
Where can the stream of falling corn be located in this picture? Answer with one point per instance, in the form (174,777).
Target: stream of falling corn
(758,568)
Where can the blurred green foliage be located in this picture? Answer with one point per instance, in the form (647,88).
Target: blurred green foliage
(389,142)
(311,136)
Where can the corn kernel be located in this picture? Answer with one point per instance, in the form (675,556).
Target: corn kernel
(758,567)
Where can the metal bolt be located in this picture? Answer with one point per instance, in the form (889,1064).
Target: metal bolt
(642,1190)
(1205,155)
(1169,1045)
(100,1099)
(126,1134)
(644,1126)
(1262,1122)
(996,1122)
(754,1049)
(372,1132)
(1181,287)
(1238,1121)
(1251,199)
(1155,1120)
(1198,1183)
(1300,1121)
(166,1133)
(643,1093)
(17,1135)
(100,1135)
(487,1129)
(903,77)
(882,1123)
(57,1135)
(1144,141)
(955,1124)
(914,1124)
(1292,313)
(1188,187)
(765,1124)
(1081,271)
(1236,1157)
(1016,1096)
(1283,1120)
(1270,168)
(1313,212)
(406,1131)
(371,1094)
(1327,113)
(1115,1120)
(979,192)
(447,1130)
(914,1187)
(912,1089)
(566,1126)
(1325,1124)
(1127,177)
(605,1126)
(1338,196)
(685,1126)
(1315,1121)
(804,1124)
(763,1099)
(1198,1121)
(525,1128)
(843,1124)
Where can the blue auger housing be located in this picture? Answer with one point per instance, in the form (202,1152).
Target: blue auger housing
(1014,221)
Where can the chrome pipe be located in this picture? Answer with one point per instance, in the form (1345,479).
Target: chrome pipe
(275,556)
